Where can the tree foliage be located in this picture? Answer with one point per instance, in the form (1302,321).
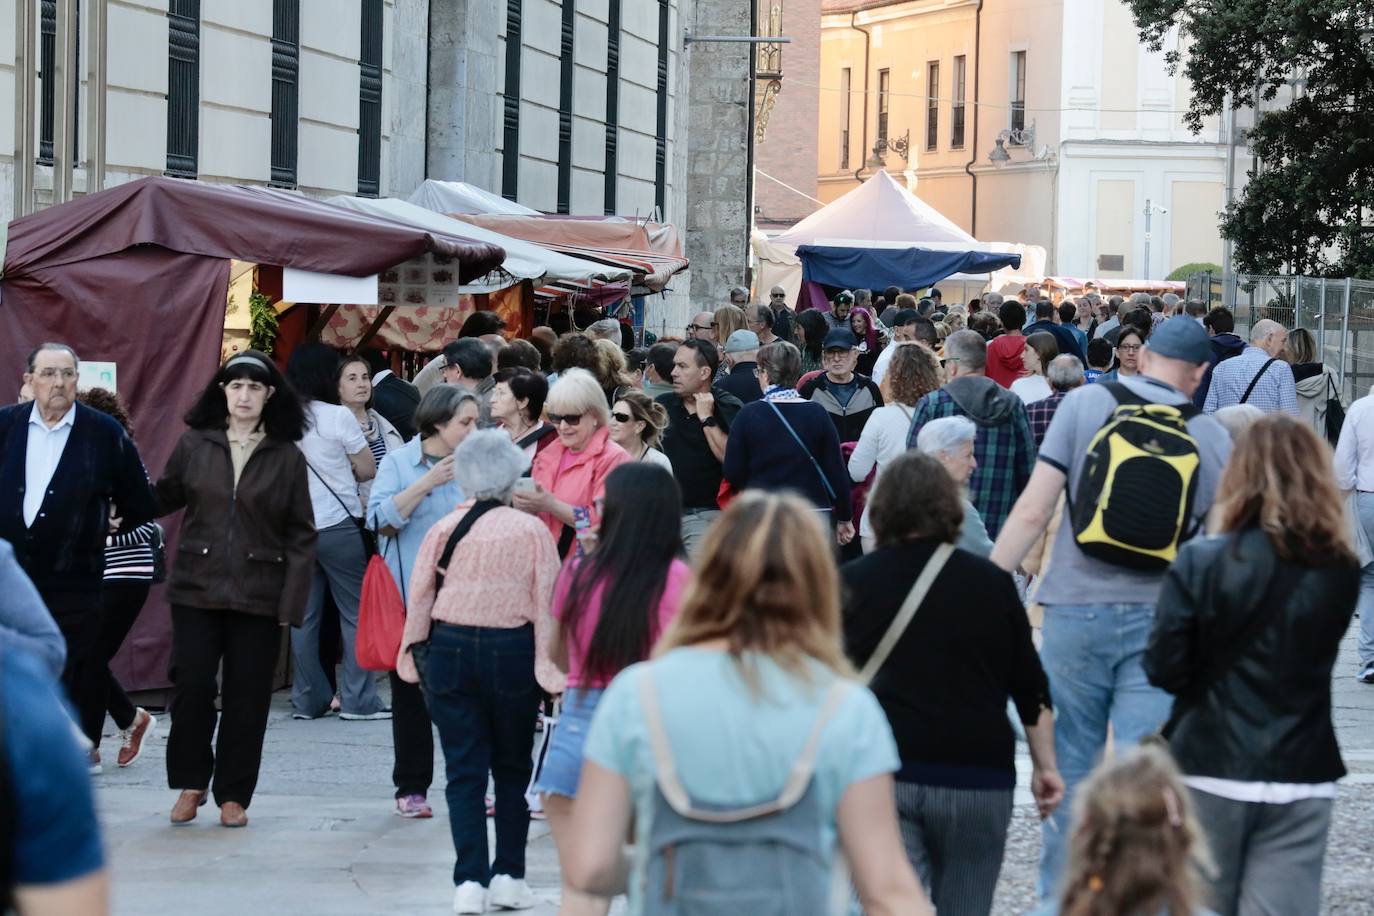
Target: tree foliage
(1302,208)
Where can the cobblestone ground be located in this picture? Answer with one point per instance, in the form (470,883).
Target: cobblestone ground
(323,840)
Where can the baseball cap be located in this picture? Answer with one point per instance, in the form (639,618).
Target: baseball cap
(742,341)
(1183,340)
(844,296)
(844,339)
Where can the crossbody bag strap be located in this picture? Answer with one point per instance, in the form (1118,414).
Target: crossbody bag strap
(343,505)
(479,509)
(793,788)
(1255,381)
(829,490)
(906,612)
(1280,588)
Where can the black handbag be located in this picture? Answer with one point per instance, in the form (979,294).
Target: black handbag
(158,545)
(1335,412)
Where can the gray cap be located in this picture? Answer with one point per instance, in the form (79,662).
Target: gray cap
(1183,340)
(743,340)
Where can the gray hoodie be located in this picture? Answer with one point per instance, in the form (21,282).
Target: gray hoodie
(986,402)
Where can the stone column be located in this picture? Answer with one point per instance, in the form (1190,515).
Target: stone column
(464,81)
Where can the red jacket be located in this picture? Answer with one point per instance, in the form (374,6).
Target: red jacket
(1004,359)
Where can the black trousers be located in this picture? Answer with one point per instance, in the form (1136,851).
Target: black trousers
(412,736)
(247,645)
(121,602)
(78,617)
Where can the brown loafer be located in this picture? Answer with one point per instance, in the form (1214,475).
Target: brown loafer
(231,814)
(188,802)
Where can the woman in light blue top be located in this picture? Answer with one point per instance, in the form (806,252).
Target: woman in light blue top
(414,488)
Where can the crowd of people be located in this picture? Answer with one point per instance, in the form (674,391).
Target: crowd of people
(781,591)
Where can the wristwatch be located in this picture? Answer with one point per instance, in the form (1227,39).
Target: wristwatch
(708,422)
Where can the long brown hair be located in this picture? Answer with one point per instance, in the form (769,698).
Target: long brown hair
(1279,479)
(765,582)
(1136,846)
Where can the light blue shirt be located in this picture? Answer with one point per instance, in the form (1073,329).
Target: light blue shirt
(399,469)
(40,461)
(734,745)
(1275,391)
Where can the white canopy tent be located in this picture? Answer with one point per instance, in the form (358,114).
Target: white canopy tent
(461,197)
(524,260)
(880,213)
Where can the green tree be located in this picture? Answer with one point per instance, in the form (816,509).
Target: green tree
(1304,208)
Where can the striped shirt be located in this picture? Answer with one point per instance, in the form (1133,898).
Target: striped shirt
(129,556)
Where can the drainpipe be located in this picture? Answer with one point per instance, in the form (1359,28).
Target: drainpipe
(973,157)
(863,140)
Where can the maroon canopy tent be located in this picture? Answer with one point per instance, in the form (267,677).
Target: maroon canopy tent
(138,275)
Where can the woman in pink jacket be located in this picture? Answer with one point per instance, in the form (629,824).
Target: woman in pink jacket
(570,475)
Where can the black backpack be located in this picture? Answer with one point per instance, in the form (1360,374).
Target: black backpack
(1134,500)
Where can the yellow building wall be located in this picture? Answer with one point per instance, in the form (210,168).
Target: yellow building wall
(906,38)
(1115,226)
(1195,237)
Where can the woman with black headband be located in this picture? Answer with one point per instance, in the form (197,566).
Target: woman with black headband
(241,573)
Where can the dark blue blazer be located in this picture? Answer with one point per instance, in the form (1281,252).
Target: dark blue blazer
(64,551)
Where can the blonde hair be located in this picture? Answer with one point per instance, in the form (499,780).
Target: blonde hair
(1279,479)
(577,391)
(764,592)
(643,407)
(612,370)
(729,319)
(1135,845)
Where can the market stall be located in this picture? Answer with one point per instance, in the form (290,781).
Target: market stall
(829,268)
(136,279)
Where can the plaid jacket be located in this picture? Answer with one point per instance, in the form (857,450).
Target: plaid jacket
(1005,456)
(1040,413)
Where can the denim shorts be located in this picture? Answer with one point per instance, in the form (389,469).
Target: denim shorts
(562,764)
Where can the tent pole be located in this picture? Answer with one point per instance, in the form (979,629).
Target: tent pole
(376,326)
(320,322)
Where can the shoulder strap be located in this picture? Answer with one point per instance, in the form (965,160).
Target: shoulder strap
(479,509)
(906,612)
(829,490)
(337,499)
(793,788)
(1255,381)
(1281,587)
(1122,394)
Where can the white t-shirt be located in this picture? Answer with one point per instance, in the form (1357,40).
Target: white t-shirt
(654,456)
(333,435)
(883,439)
(1031,388)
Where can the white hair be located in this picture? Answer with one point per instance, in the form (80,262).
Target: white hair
(1263,328)
(487,463)
(1237,417)
(577,391)
(943,436)
(605,329)
(1064,372)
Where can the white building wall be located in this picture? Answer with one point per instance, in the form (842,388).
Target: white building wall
(236,96)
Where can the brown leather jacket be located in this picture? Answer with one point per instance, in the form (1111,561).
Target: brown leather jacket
(249,548)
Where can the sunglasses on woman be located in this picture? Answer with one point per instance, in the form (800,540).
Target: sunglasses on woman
(622,417)
(572,419)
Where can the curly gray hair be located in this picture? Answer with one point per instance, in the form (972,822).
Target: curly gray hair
(486,465)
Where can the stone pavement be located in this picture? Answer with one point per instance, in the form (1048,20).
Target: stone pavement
(323,839)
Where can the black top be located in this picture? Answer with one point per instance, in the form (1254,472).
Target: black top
(1267,716)
(695,466)
(742,383)
(64,551)
(945,685)
(396,399)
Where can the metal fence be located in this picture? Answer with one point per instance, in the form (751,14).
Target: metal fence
(1338,312)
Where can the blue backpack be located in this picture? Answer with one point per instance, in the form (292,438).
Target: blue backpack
(763,859)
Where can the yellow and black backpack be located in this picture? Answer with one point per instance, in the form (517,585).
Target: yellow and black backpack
(1133,505)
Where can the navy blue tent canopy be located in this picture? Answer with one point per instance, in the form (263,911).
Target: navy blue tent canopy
(907,268)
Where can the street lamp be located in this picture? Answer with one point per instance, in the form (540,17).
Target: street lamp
(1016,136)
(899,145)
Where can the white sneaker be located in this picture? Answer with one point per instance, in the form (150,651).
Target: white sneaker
(470,897)
(509,893)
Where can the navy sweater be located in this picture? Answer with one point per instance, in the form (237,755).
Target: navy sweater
(64,551)
(761,453)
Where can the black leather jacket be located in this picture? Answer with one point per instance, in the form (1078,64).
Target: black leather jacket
(1267,718)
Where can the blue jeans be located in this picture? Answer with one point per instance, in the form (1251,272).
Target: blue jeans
(1365,646)
(1092,654)
(480,688)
